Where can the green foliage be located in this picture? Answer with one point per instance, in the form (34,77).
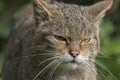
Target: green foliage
(109,44)
(2,7)
(4,29)
(110,50)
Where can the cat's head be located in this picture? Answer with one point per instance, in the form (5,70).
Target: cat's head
(71,29)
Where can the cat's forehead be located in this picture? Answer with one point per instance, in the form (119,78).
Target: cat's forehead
(75,19)
(73,22)
(72,11)
(74,28)
(74,15)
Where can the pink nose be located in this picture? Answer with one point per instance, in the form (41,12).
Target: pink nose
(74,53)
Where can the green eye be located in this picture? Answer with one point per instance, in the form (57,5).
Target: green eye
(60,38)
(86,40)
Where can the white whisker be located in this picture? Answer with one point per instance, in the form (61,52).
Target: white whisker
(104,54)
(39,74)
(34,55)
(48,60)
(103,67)
(104,77)
(51,74)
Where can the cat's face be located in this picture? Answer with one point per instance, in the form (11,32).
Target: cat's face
(74,42)
(72,32)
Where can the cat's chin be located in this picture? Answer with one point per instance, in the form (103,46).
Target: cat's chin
(73,65)
(70,66)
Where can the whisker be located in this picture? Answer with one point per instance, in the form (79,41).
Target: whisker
(104,77)
(39,48)
(90,66)
(102,57)
(42,49)
(103,67)
(51,74)
(104,54)
(48,60)
(34,55)
(47,67)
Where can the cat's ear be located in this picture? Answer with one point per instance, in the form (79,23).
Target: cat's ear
(43,8)
(98,10)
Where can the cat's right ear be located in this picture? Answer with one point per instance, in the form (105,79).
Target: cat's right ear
(98,10)
(43,9)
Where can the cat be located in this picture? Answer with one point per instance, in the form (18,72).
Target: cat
(53,40)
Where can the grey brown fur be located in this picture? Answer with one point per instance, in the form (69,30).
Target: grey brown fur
(33,34)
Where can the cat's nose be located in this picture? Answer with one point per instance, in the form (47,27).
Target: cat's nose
(74,53)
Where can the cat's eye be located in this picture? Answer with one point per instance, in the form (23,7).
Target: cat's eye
(86,40)
(60,38)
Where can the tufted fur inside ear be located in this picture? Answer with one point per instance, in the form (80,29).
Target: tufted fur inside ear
(44,4)
(43,9)
(98,10)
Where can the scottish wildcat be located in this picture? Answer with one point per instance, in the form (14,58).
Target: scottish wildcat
(52,40)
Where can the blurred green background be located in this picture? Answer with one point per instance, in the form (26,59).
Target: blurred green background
(109,56)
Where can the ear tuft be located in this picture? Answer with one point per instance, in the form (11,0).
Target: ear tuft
(98,10)
(45,5)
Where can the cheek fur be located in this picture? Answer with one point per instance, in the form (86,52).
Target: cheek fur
(91,48)
(67,57)
(79,59)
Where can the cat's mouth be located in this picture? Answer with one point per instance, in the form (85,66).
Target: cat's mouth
(73,61)
(76,60)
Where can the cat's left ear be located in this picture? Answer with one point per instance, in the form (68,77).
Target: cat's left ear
(44,5)
(44,9)
(98,10)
